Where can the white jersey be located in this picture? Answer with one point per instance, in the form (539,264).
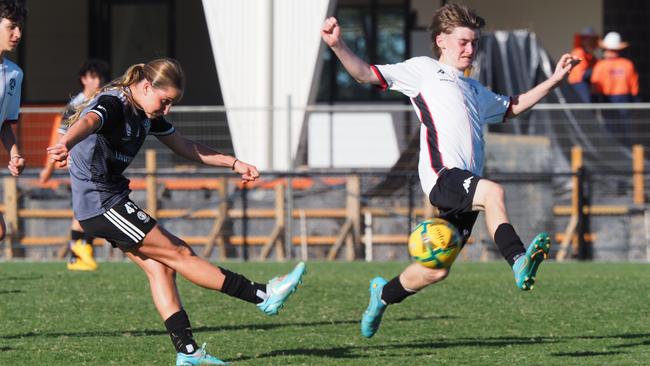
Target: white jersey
(452,109)
(11,81)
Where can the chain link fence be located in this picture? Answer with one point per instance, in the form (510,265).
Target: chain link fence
(530,156)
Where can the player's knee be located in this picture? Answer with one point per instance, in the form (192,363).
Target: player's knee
(182,250)
(435,275)
(160,272)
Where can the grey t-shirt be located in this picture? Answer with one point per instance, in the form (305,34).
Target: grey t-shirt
(98,162)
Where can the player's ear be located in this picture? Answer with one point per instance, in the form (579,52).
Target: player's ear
(146,87)
(440,42)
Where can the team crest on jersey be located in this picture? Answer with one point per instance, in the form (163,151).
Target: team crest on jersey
(12,86)
(443,76)
(143,217)
(147,125)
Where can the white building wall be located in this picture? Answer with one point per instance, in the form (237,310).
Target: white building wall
(244,37)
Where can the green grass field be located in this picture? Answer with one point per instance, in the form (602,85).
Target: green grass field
(578,314)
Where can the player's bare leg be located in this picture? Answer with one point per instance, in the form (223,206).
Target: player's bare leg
(416,276)
(162,282)
(490,198)
(163,246)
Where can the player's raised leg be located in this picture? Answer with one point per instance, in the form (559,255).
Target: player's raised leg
(383,293)
(490,197)
(162,282)
(165,247)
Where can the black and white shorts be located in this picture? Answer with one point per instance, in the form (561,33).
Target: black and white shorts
(124,225)
(453,195)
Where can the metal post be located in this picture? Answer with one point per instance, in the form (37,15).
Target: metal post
(583,251)
(411,202)
(303,235)
(288,228)
(244,222)
(646,222)
(367,234)
(331,139)
(270,47)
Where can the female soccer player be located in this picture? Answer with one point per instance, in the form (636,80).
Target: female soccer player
(104,136)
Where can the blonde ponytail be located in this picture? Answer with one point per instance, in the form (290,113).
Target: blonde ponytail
(161,73)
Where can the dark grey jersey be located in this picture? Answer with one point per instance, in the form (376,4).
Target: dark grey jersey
(98,162)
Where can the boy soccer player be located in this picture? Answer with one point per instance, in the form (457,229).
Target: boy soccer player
(92,75)
(12,19)
(453,110)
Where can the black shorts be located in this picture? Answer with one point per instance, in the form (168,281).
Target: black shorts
(124,225)
(453,195)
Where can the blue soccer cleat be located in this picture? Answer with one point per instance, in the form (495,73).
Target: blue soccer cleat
(372,316)
(200,357)
(525,268)
(280,288)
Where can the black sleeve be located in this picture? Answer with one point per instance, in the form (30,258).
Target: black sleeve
(110,110)
(161,127)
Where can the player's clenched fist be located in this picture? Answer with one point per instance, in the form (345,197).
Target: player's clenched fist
(331,32)
(565,65)
(58,152)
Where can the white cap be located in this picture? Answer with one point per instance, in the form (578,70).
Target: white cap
(612,41)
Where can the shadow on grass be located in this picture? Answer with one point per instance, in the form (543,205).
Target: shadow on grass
(225,328)
(585,354)
(22,278)
(392,350)
(369,348)
(150,332)
(629,345)
(4,292)
(6,348)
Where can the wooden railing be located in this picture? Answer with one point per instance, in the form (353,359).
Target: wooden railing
(348,237)
(574,238)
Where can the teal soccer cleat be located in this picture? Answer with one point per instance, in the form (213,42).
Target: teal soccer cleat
(525,268)
(280,288)
(372,316)
(200,357)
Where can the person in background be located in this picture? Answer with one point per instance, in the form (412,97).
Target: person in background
(92,75)
(12,20)
(585,43)
(615,80)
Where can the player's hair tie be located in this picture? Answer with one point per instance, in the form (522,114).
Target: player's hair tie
(233,164)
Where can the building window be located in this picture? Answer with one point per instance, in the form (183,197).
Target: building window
(375,30)
(126,32)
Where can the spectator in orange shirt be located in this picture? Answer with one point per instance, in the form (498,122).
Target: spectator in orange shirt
(615,80)
(585,43)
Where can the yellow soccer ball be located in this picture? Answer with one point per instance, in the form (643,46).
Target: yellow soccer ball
(435,243)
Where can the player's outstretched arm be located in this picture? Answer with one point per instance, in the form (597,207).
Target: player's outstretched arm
(356,67)
(200,153)
(527,100)
(78,131)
